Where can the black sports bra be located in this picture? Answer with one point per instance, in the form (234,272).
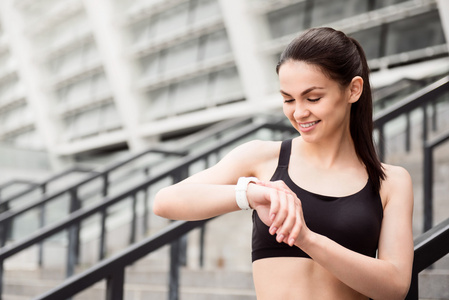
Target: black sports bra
(353,221)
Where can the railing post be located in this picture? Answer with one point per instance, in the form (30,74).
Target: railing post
(74,237)
(103,215)
(145,218)
(407,132)
(424,124)
(180,175)
(381,142)
(428,193)
(105,184)
(102,246)
(173,284)
(132,238)
(41,225)
(1,279)
(71,251)
(145,205)
(4,228)
(115,285)
(202,235)
(434,116)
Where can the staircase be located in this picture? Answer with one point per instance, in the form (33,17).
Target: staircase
(227,265)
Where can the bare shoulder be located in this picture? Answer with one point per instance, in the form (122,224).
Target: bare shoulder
(397,184)
(255,152)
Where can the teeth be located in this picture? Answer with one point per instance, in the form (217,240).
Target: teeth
(308,124)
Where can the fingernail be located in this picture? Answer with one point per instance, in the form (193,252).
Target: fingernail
(280,238)
(291,242)
(272,217)
(273,230)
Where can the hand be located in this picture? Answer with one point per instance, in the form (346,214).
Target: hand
(284,216)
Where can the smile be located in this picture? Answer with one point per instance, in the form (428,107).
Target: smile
(307,125)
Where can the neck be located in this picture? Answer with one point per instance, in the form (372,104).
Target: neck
(336,151)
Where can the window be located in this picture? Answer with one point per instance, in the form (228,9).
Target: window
(415,33)
(325,12)
(370,39)
(288,20)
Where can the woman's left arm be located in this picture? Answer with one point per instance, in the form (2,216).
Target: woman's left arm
(387,277)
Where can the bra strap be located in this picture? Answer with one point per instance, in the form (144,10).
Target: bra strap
(284,156)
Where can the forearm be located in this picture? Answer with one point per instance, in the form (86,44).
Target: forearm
(192,201)
(375,278)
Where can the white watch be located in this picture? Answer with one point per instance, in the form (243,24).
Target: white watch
(240,191)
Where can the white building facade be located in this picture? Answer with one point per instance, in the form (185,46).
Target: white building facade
(80,76)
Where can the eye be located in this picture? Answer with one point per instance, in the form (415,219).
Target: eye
(313,100)
(288,100)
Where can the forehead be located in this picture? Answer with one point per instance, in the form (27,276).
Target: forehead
(299,74)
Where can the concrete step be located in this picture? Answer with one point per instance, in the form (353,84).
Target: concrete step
(194,284)
(434,285)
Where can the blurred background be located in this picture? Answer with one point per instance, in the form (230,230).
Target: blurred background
(80,79)
(85,84)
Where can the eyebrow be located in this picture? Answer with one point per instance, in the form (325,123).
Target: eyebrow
(306,91)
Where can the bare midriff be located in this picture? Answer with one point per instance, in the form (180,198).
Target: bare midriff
(291,278)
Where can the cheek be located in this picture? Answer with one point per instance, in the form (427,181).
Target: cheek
(288,111)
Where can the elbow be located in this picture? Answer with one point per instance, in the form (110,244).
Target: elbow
(399,291)
(403,289)
(159,207)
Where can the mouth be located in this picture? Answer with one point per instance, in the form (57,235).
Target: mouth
(307,125)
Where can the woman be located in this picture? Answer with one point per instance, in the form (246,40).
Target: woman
(329,221)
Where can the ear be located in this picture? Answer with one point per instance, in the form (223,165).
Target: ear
(355,89)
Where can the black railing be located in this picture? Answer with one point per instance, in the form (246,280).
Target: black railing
(41,187)
(417,100)
(113,269)
(214,131)
(420,99)
(76,284)
(10,183)
(5,203)
(177,172)
(429,248)
(7,217)
(429,148)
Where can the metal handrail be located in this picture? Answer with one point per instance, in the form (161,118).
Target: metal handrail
(81,214)
(14,181)
(185,144)
(7,217)
(429,248)
(114,287)
(42,185)
(429,147)
(419,99)
(113,269)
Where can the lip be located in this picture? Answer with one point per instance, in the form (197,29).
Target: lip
(309,128)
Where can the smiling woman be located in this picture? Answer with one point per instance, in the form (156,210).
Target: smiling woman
(330,221)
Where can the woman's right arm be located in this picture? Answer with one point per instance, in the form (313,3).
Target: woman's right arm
(211,192)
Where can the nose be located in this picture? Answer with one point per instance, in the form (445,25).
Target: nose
(301,111)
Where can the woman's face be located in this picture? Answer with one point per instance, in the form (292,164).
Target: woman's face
(317,106)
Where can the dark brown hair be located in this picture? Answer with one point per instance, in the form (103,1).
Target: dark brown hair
(342,58)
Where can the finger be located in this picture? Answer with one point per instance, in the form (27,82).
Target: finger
(294,233)
(290,219)
(281,215)
(274,208)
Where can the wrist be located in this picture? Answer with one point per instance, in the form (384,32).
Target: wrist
(307,241)
(241,192)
